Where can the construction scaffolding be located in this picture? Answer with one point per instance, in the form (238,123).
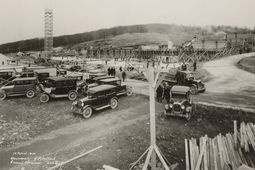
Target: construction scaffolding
(48,33)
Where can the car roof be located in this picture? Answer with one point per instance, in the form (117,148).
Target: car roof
(24,78)
(97,74)
(187,71)
(180,89)
(101,88)
(103,77)
(110,79)
(7,70)
(60,78)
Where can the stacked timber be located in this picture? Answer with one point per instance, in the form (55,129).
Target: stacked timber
(223,152)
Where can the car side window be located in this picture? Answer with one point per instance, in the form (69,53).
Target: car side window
(9,84)
(101,94)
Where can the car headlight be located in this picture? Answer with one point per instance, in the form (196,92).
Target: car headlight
(188,109)
(171,105)
(82,104)
(182,107)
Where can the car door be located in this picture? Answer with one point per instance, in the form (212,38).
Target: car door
(19,87)
(101,99)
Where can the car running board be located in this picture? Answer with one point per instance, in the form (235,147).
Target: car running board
(59,96)
(100,108)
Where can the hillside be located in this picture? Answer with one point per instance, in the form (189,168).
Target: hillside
(123,36)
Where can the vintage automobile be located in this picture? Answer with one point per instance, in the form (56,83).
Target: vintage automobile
(98,98)
(19,86)
(92,76)
(187,78)
(6,74)
(182,78)
(58,87)
(120,89)
(180,103)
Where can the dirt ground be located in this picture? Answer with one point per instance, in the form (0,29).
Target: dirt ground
(124,134)
(247,64)
(29,126)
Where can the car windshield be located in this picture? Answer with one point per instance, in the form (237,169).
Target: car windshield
(178,96)
(190,76)
(90,94)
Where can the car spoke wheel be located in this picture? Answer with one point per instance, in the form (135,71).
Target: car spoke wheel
(2,95)
(113,103)
(72,95)
(44,98)
(193,89)
(129,92)
(87,112)
(30,93)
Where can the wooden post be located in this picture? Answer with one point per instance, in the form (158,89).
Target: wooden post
(152,115)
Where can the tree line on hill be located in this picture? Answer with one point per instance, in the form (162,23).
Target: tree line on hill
(37,44)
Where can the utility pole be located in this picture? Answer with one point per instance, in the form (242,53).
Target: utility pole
(153,151)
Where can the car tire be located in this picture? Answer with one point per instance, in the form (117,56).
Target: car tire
(87,112)
(30,94)
(72,95)
(114,103)
(44,98)
(129,92)
(193,89)
(2,95)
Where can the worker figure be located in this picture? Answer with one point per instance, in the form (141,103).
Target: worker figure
(167,93)
(123,75)
(120,69)
(113,72)
(184,66)
(109,71)
(159,93)
(195,65)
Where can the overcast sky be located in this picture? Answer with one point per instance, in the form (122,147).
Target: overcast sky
(24,19)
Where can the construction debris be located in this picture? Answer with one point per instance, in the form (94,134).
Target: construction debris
(227,152)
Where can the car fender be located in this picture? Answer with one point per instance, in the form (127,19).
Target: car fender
(87,106)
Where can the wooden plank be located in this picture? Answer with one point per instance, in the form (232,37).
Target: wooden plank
(214,155)
(187,155)
(201,155)
(235,133)
(230,152)
(211,154)
(75,158)
(205,156)
(200,149)
(220,151)
(191,155)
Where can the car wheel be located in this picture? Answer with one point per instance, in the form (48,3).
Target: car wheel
(44,98)
(129,92)
(113,103)
(72,95)
(3,95)
(30,94)
(193,89)
(87,112)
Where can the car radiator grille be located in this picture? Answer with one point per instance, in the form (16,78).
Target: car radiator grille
(177,107)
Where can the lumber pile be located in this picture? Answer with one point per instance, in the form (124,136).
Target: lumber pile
(223,152)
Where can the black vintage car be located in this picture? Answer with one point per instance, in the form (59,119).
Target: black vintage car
(58,87)
(19,86)
(187,78)
(120,89)
(180,103)
(98,98)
